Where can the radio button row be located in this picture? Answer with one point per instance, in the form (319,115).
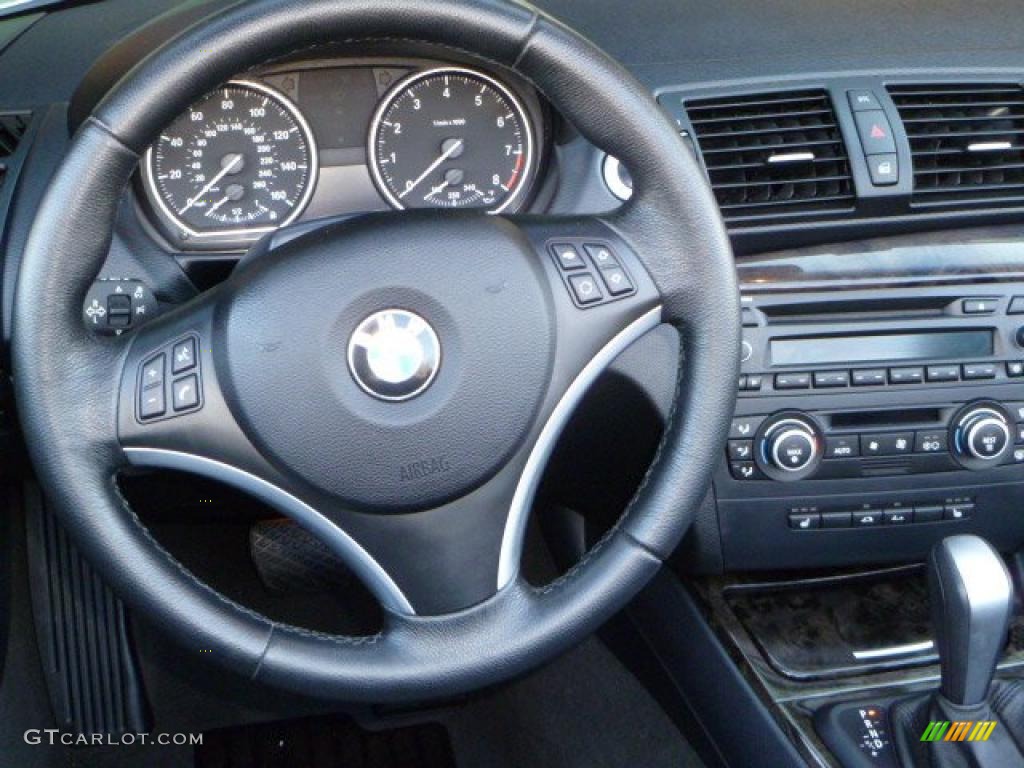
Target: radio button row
(792,380)
(912,375)
(827,379)
(979,371)
(979,306)
(887,444)
(869,377)
(943,373)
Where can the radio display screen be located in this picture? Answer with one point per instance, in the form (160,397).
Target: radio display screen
(839,350)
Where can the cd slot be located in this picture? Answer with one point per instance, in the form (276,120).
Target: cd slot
(896,308)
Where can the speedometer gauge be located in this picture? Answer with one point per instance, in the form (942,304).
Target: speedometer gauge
(240,162)
(451,138)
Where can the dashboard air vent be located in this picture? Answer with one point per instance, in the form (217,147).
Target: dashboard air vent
(967,142)
(773,154)
(12,128)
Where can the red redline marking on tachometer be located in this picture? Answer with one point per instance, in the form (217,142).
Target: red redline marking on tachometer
(515,171)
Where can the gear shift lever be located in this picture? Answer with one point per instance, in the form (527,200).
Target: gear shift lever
(971,598)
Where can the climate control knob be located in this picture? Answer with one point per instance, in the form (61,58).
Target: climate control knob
(790,447)
(981,435)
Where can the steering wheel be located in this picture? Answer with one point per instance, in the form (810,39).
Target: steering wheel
(395,383)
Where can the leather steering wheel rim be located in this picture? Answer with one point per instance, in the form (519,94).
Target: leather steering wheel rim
(68,402)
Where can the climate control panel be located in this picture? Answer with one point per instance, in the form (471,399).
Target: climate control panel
(792,445)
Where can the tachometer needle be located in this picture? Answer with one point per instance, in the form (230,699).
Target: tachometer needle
(228,168)
(434,190)
(455,146)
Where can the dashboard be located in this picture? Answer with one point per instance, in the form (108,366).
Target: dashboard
(842,244)
(307,140)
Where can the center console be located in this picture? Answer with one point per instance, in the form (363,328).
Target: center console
(871,423)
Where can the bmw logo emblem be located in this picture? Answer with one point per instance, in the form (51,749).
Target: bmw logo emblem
(394,355)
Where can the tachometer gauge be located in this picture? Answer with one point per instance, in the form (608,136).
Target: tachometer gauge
(451,138)
(240,162)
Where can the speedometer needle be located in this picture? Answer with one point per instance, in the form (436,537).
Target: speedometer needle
(456,145)
(210,185)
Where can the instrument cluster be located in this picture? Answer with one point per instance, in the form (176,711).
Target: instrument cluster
(305,141)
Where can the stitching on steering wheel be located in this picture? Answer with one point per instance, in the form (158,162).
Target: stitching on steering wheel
(609,534)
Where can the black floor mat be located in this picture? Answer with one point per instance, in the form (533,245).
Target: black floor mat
(325,742)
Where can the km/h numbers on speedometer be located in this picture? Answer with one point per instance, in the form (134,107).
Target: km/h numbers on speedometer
(451,138)
(240,159)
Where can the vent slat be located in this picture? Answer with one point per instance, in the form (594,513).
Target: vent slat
(795,180)
(773,155)
(771,147)
(826,199)
(765,100)
(767,116)
(966,142)
(713,168)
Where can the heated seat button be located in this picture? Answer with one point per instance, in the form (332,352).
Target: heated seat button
(186,393)
(585,288)
(567,256)
(803,521)
(957,511)
(875,132)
